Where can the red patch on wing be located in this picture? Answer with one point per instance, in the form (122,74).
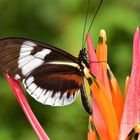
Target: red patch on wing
(74,77)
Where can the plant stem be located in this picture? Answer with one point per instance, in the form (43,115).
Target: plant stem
(21,98)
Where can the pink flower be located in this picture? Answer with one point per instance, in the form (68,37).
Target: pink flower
(114,118)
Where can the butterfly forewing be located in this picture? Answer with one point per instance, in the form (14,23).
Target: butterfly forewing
(50,75)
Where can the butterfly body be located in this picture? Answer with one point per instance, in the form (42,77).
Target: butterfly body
(50,75)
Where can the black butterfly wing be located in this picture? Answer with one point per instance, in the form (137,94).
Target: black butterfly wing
(50,75)
(54,84)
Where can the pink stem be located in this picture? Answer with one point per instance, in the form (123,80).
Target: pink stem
(21,98)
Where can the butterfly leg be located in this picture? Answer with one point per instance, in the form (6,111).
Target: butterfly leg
(85,101)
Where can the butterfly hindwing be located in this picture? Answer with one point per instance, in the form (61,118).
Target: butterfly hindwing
(50,75)
(58,83)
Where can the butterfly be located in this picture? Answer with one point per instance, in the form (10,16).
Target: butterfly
(50,75)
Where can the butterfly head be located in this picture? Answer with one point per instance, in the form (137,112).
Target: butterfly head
(83,60)
(83,57)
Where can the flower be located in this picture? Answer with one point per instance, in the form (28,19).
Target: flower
(113,118)
(21,98)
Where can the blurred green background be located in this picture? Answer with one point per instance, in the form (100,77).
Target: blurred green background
(60,23)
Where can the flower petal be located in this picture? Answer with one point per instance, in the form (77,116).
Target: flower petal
(104,104)
(103,111)
(127,85)
(94,67)
(99,121)
(134,133)
(101,50)
(131,114)
(92,135)
(117,99)
(106,108)
(101,53)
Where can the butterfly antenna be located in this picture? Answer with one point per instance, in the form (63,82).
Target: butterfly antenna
(95,15)
(85,23)
(84,39)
